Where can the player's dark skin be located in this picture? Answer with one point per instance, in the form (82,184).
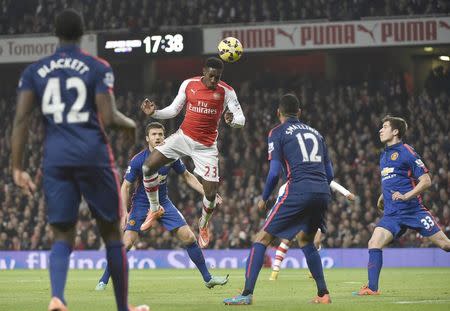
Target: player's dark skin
(110,116)
(156,160)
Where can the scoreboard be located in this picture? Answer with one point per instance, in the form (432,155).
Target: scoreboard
(145,45)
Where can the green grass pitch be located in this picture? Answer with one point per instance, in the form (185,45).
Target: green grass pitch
(402,289)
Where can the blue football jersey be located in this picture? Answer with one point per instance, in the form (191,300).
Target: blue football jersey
(303,153)
(400,168)
(134,173)
(65,85)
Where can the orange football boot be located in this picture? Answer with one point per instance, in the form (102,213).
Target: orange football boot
(151,218)
(325,299)
(366,291)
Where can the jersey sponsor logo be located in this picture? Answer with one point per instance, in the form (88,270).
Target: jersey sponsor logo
(386,171)
(419,163)
(394,156)
(271,148)
(109,79)
(201,108)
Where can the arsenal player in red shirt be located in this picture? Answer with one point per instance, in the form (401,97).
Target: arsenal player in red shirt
(206,97)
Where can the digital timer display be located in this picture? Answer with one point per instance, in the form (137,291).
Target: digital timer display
(121,46)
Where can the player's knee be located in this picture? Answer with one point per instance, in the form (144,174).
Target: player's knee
(148,169)
(446,247)
(186,236)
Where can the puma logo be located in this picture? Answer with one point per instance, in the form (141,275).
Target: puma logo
(370,32)
(286,34)
(193,91)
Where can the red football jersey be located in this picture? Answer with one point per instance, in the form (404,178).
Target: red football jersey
(204,108)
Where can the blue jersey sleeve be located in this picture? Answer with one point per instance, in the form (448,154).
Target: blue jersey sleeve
(105,78)
(417,167)
(274,147)
(328,165)
(179,166)
(26,82)
(134,170)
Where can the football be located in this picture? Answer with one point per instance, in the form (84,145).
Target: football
(230,49)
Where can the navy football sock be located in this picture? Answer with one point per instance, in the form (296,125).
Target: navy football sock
(374,267)
(107,274)
(118,266)
(315,266)
(196,255)
(254,264)
(59,265)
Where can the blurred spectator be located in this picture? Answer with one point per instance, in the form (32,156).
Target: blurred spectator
(36,16)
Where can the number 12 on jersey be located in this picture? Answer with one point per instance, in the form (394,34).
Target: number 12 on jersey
(52,104)
(312,156)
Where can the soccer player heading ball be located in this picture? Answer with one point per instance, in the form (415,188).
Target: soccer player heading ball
(206,97)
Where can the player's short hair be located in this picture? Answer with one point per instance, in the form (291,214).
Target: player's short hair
(397,123)
(69,25)
(290,105)
(154,125)
(214,62)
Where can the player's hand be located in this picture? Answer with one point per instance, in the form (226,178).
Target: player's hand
(228,117)
(24,181)
(351,197)
(148,107)
(397,196)
(262,205)
(219,199)
(380,203)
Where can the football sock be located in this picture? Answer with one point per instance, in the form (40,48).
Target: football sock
(315,267)
(208,209)
(279,256)
(151,186)
(374,267)
(118,266)
(106,274)
(254,264)
(196,255)
(59,265)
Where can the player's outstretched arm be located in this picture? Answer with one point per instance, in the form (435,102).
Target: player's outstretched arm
(125,195)
(235,116)
(171,111)
(342,190)
(19,138)
(193,182)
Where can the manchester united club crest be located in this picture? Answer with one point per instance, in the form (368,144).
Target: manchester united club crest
(131,222)
(394,156)
(216,96)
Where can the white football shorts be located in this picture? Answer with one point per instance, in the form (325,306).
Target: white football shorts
(206,159)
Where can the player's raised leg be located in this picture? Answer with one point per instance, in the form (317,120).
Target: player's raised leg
(441,240)
(306,242)
(380,238)
(209,204)
(129,238)
(187,237)
(151,185)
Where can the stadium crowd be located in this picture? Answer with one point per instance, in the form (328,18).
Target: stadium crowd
(36,16)
(347,113)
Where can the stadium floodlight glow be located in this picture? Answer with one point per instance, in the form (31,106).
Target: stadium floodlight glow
(444,58)
(428,49)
